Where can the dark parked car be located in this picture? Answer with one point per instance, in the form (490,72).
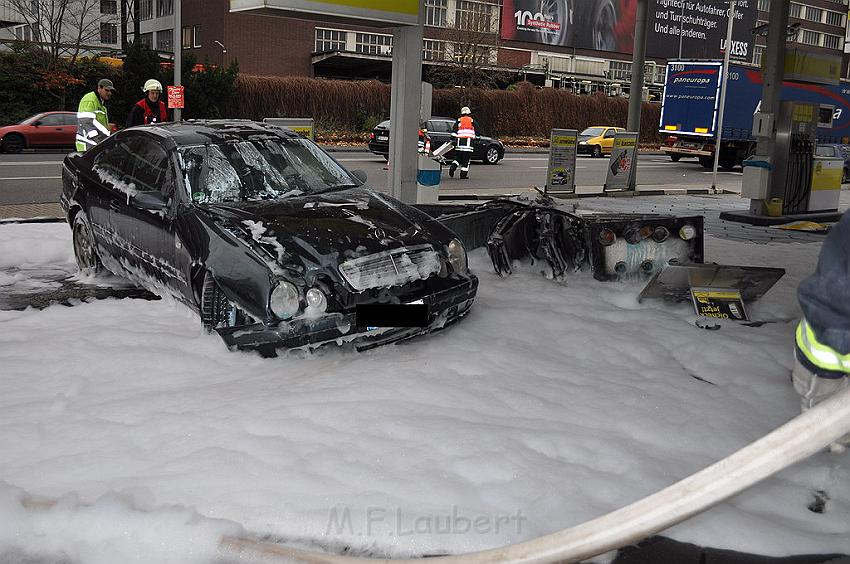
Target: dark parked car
(51,129)
(839,152)
(485,149)
(265,235)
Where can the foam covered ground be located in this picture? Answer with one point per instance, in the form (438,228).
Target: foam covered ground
(548,405)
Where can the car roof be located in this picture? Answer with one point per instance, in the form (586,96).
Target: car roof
(202,132)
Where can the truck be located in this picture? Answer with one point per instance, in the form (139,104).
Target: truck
(691,102)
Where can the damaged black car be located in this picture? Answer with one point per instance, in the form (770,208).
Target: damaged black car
(266,236)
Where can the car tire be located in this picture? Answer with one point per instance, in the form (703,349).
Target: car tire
(14,143)
(675,158)
(604,21)
(728,163)
(492,155)
(85,249)
(706,162)
(597,152)
(216,310)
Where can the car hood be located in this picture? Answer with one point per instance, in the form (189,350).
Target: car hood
(318,232)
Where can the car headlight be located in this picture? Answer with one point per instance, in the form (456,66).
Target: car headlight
(457,256)
(317,300)
(582,142)
(285,300)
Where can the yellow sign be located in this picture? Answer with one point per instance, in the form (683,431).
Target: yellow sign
(810,66)
(563,141)
(394,12)
(304,131)
(627,142)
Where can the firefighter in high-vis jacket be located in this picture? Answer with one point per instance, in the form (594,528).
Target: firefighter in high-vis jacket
(92,117)
(822,359)
(464,133)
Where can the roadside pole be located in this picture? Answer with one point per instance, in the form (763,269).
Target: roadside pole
(178,51)
(405,107)
(636,89)
(724,80)
(774,73)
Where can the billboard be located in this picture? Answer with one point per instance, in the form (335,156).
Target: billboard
(377,12)
(608,25)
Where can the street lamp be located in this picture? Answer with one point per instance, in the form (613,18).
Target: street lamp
(220,44)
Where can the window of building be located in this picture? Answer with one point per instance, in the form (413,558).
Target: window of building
(329,40)
(814,14)
(109,33)
(835,18)
(145,9)
(832,42)
(23,33)
(164,8)
(433,50)
(620,70)
(196,36)
(186,34)
(758,51)
(108,6)
(436,12)
(810,37)
(795,11)
(373,44)
(146,39)
(473,15)
(165,40)
(764,5)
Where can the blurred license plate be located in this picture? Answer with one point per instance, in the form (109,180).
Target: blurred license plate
(383,138)
(376,316)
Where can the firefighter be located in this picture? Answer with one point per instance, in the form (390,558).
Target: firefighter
(92,117)
(822,352)
(151,108)
(464,133)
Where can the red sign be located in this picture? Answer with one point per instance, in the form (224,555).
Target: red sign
(176,97)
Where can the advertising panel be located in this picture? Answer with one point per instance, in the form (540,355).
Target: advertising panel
(561,173)
(397,12)
(622,166)
(608,25)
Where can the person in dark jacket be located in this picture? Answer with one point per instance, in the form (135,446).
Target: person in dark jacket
(464,134)
(150,109)
(822,352)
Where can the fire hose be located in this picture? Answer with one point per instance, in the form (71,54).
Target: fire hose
(794,441)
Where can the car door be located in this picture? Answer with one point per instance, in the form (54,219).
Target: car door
(46,131)
(440,131)
(149,236)
(69,130)
(608,140)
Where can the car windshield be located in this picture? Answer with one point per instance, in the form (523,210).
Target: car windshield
(593,131)
(259,169)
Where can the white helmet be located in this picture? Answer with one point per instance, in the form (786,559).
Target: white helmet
(152,84)
(465,111)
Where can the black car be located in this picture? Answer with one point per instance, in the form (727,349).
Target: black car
(265,235)
(485,149)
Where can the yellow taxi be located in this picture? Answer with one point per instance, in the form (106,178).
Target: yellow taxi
(597,140)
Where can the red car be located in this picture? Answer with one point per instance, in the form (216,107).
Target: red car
(50,129)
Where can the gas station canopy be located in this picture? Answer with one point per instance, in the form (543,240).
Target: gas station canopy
(379,13)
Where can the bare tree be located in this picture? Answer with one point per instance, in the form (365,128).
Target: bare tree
(61,28)
(468,60)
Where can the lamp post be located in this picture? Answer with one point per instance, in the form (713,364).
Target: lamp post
(178,51)
(723,84)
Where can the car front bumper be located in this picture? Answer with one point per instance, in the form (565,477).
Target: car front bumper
(444,308)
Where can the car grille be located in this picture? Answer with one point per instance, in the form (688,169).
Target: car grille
(391,268)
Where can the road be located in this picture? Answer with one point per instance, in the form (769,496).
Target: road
(32,178)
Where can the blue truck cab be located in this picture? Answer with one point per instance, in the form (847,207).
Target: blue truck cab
(691,104)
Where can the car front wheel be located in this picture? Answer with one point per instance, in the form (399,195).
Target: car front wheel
(13,143)
(85,251)
(216,310)
(492,156)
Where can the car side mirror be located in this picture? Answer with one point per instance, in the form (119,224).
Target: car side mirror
(153,201)
(359,175)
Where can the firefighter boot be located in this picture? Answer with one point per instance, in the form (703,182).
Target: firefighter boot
(452,169)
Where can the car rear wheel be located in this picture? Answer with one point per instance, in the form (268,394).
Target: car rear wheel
(706,162)
(597,151)
(492,155)
(85,251)
(216,309)
(675,158)
(13,143)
